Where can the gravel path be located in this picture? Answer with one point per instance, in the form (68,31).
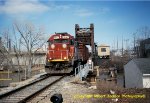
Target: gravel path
(72,92)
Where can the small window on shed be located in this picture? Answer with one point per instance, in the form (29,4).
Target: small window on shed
(103,49)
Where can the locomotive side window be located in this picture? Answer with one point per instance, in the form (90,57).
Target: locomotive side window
(71,42)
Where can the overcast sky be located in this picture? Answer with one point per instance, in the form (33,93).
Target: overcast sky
(111,19)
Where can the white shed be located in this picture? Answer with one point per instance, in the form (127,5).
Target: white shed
(104,51)
(137,73)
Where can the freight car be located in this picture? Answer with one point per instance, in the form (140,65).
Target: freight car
(83,53)
(104,51)
(64,53)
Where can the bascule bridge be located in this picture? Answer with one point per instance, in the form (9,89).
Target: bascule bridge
(85,36)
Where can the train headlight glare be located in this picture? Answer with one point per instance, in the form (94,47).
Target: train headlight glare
(65,58)
(52,46)
(64,45)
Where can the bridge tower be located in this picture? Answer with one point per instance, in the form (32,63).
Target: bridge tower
(86,36)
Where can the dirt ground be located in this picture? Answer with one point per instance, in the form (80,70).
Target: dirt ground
(114,93)
(98,92)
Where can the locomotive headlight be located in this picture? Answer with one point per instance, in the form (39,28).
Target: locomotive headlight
(64,45)
(52,46)
(65,58)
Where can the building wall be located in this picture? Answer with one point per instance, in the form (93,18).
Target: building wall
(38,59)
(145,48)
(146,81)
(133,76)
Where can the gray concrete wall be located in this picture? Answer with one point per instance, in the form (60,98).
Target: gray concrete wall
(133,76)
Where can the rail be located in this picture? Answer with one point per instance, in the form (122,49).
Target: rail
(23,94)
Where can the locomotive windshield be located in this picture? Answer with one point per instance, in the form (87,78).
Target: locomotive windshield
(50,42)
(60,40)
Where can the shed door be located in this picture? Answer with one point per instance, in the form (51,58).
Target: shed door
(146,82)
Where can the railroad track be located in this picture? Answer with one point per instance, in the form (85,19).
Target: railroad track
(25,93)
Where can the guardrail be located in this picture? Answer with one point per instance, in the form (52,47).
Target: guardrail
(82,71)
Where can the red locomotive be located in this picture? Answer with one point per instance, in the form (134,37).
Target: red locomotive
(64,53)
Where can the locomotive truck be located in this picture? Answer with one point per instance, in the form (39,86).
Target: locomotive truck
(64,53)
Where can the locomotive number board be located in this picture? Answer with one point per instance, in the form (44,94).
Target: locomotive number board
(56,37)
(63,37)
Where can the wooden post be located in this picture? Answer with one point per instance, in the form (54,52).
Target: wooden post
(97,72)
(8,73)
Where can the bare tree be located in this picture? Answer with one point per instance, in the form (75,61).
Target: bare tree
(30,41)
(17,50)
(141,34)
(5,38)
(145,32)
(5,56)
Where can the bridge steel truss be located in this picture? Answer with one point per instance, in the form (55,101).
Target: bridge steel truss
(86,36)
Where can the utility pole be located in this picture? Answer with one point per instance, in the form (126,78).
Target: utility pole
(126,41)
(0,41)
(117,43)
(134,43)
(122,46)
(114,45)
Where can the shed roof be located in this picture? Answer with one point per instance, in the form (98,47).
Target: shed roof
(103,45)
(143,64)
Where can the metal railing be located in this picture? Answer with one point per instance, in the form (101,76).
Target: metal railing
(82,71)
